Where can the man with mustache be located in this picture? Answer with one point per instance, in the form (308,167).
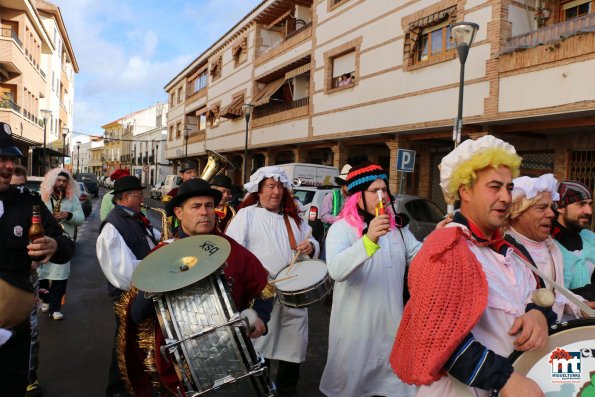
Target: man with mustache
(470,304)
(576,241)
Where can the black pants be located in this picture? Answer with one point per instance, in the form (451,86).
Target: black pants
(288,375)
(57,290)
(14,362)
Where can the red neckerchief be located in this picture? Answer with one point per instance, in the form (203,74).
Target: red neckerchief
(143,219)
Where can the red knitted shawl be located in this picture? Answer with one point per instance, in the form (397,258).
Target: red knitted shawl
(449,293)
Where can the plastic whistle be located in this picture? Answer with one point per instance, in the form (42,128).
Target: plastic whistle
(380,207)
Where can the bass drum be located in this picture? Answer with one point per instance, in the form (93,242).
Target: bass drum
(565,366)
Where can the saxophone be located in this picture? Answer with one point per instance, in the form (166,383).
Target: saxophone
(165,226)
(57,207)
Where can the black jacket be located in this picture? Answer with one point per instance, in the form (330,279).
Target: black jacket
(15,265)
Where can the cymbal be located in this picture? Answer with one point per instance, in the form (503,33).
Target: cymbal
(181,263)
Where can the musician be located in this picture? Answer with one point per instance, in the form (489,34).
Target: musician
(366,256)
(194,207)
(268,225)
(470,294)
(333,202)
(107,202)
(187,172)
(224,211)
(59,192)
(15,267)
(528,228)
(575,240)
(125,238)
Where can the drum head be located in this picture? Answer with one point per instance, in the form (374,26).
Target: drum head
(181,263)
(308,273)
(565,366)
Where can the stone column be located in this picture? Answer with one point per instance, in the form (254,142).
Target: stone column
(298,155)
(424,158)
(394,178)
(340,155)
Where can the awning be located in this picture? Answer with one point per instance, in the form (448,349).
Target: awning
(234,109)
(264,96)
(296,72)
(50,152)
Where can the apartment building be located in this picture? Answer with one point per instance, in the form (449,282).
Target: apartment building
(30,50)
(136,142)
(329,79)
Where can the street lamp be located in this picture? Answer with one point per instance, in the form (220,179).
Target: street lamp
(463,34)
(45,113)
(186,133)
(78,157)
(247,108)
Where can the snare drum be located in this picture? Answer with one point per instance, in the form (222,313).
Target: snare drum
(311,284)
(206,341)
(565,366)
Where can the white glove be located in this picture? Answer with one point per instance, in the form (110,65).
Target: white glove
(250,316)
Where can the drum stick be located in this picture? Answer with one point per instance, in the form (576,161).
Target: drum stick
(283,279)
(297,253)
(571,297)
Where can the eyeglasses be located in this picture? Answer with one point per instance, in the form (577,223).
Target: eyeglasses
(138,196)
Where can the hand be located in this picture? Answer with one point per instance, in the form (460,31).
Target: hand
(305,247)
(61,215)
(44,246)
(258,329)
(447,219)
(591,305)
(519,385)
(534,331)
(379,226)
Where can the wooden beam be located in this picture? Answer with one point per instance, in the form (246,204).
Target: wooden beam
(545,125)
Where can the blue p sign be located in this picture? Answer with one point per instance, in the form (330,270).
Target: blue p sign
(405,160)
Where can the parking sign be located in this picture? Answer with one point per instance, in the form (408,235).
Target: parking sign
(405,160)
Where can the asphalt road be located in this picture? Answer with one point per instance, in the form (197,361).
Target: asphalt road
(75,352)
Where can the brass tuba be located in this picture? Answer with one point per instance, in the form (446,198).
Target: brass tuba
(216,164)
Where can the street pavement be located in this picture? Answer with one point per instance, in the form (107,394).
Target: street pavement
(75,352)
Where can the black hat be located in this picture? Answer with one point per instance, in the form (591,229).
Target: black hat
(188,165)
(7,146)
(127,183)
(221,180)
(193,188)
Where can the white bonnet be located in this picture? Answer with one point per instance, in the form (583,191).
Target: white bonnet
(531,187)
(466,151)
(277,173)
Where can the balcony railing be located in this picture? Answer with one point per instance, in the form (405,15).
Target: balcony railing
(552,33)
(8,104)
(297,31)
(277,107)
(8,32)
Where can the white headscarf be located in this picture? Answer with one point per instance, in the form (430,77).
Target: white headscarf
(277,173)
(531,187)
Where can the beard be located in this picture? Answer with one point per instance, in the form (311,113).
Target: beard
(59,190)
(574,225)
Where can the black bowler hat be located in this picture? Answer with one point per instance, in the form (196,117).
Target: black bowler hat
(193,188)
(7,146)
(222,181)
(188,165)
(127,183)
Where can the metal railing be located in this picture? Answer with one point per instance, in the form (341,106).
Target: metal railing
(8,32)
(550,34)
(278,107)
(9,104)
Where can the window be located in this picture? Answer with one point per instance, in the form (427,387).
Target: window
(53,81)
(332,4)
(575,9)
(433,41)
(202,122)
(198,83)
(178,130)
(179,94)
(344,70)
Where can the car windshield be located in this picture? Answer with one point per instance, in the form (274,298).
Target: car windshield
(424,211)
(305,196)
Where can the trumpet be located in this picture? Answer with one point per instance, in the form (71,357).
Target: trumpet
(165,224)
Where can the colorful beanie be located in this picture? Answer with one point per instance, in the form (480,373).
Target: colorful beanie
(361,177)
(572,192)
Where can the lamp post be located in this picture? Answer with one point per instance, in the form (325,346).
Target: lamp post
(64,133)
(186,133)
(45,113)
(78,157)
(247,108)
(463,34)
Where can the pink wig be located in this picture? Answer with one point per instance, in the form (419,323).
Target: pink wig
(49,180)
(351,215)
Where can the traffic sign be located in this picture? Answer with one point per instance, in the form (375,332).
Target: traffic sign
(146,168)
(405,160)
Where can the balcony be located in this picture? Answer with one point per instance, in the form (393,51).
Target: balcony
(8,104)
(551,34)
(291,40)
(275,112)
(8,32)
(550,45)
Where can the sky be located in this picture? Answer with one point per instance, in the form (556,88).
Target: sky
(127,50)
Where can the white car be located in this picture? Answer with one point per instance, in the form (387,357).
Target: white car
(311,198)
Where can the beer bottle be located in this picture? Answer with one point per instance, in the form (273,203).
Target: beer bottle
(36,230)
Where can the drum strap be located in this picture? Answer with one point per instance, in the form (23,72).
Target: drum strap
(292,243)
